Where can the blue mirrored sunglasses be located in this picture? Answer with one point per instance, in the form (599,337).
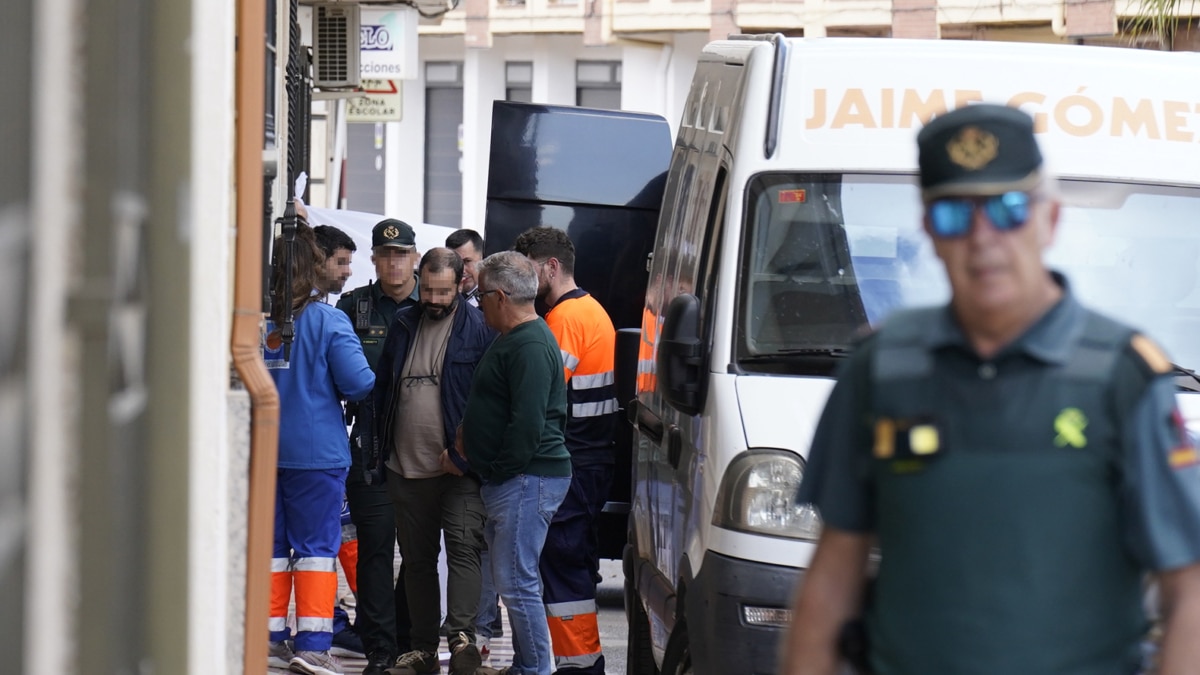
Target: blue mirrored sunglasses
(952,217)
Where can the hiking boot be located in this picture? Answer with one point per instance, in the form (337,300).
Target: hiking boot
(418,662)
(315,663)
(464,656)
(280,654)
(378,663)
(347,643)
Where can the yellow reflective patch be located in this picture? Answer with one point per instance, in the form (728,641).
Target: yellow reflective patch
(923,439)
(1069,426)
(1181,458)
(885,438)
(1151,353)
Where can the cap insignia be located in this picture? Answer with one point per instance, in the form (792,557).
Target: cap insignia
(390,232)
(973,148)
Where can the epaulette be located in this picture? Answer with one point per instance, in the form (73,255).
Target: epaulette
(1149,355)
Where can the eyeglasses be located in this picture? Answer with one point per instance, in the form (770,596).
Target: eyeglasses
(420,380)
(483,294)
(951,218)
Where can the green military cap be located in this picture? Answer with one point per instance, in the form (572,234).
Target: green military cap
(982,149)
(392,232)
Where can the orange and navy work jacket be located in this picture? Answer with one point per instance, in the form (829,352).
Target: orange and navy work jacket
(647,375)
(587,340)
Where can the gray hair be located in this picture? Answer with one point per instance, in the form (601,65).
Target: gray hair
(512,273)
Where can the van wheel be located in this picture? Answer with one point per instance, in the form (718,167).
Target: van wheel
(639,655)
(678,659)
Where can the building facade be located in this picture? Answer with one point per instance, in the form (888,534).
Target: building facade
(639,55)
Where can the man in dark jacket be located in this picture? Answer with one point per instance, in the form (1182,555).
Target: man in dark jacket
(424,376)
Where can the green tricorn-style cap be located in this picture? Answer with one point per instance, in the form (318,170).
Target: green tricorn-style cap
(392,232)
(983,149)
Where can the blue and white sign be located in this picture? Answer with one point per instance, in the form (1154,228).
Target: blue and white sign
(388,43)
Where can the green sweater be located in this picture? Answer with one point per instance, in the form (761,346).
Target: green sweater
(517,409)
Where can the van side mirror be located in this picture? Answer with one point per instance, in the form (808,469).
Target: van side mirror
(680,359)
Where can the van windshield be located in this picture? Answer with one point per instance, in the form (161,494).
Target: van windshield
(831,255)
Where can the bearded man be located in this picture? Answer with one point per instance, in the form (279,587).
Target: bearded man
(425,374)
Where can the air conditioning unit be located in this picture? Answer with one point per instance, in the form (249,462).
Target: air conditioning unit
(335,45)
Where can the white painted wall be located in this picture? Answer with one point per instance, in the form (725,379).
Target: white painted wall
(51,601)
(207,223)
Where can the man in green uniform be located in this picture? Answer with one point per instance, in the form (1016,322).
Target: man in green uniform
(1017,458)
(382,610)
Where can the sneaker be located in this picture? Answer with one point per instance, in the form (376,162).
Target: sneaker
(485,670)
(280,654)
(485,650)
(347,643)
(418,662)
(315,663)
(464,656)
(498,624)
(378,663)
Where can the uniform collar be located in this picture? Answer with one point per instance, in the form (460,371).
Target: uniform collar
(1050,338)
(415,296)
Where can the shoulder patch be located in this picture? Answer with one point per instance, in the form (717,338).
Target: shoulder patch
(1151,353)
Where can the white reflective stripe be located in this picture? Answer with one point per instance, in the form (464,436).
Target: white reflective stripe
(572,608)
(646,366)
(594,409)
(280,564)
(582,661)
(315,565)
(592,381)
(569,360)
(277,623)
(312,624)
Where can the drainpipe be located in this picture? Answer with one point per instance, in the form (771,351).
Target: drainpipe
(247,318)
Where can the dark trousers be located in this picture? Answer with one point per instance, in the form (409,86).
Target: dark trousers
(427,509)
(382,612)
(570,567)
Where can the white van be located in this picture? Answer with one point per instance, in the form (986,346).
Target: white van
(791,224)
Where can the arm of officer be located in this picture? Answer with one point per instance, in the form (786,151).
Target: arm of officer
(830,594)
(1162,474)
(1179,591)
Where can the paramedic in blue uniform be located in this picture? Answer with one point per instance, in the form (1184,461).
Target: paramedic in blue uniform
(1017,458)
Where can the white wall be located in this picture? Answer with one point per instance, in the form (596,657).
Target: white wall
(208,219)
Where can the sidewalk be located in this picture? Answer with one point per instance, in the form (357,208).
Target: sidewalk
(501,647)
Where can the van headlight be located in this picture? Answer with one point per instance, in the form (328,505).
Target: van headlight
(758,495)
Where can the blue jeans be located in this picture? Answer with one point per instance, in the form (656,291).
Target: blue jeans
(519,511)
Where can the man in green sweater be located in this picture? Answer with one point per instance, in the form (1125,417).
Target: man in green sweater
(512,435)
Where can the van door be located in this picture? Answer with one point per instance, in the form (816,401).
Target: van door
(671,442)
(598,175)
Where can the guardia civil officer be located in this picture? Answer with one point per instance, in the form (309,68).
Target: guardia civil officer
(382,612)
(1017,458)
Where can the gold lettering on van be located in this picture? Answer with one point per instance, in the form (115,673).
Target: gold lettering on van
(1040,123)
(1134,119)
(888,115)
(1174,121)
(818,118)
(1075,107)
(854,109)
(913,106)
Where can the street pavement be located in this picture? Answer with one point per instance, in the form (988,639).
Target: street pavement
(613,627)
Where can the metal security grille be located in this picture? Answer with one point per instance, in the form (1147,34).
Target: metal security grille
(336,45)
